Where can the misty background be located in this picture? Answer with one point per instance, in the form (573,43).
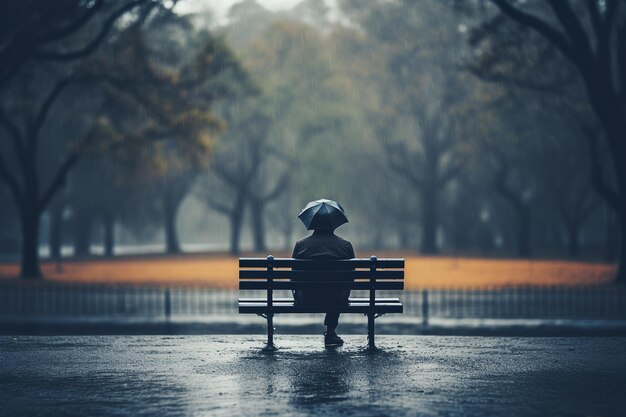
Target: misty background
(209,129)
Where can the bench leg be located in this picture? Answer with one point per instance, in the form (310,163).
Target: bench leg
(371,343)
(270,334)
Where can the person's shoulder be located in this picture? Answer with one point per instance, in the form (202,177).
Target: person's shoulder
(304,240)
(346,241)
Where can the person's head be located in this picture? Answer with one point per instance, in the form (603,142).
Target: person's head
(322,224)
(323,215)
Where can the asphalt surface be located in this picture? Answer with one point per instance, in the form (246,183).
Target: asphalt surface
(236,324)
(231,376)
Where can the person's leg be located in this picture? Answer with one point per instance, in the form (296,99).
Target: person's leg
(298,297)
(331,321)
(330,335)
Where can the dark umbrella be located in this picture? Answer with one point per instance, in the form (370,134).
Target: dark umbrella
(323,214)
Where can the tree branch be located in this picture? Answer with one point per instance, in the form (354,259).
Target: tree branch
(14,133)
(221,208)
(400,168)
(226,176)
(11,182)
(610,14)
(72,26)
(279,188)
(44,110)
(594,16)
(59,180)
(621,65)
(590,205)
(574,29)
(500,182)
(93,45)
(597,172)
(525,84)
(603,30)
(278,153)
(449,175)
(541,26)
(60,177)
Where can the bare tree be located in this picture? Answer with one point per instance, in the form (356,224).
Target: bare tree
(596,50)
(246,167)
(414,117)
(59,31)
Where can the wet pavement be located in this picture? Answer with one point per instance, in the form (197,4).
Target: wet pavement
(231,376)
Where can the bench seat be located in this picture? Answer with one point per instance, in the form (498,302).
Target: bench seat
(286,305)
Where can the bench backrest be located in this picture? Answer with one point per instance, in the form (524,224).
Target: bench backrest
(289,274)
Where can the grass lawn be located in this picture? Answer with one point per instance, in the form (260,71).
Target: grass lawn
(220,271)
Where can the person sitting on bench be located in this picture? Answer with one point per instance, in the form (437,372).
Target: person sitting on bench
(323,216)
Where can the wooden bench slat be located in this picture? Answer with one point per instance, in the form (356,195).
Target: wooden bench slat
(328,275)
(292,303)
(329,265)
(263,303)
(290,300)
(294,285)
(260,308)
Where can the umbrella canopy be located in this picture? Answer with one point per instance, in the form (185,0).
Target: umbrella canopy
(323,215)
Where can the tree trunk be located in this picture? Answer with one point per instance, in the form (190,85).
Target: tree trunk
(108,223)
(614,130)
(573,239)
(484,239)
(523,231)
(235,231)
(377,239)
(257,210)
(620,277)
(56,231)
(170,206)
(522,211)
(462,229)
(82,234)
(30,242)
(429,222)
(287,232)
(614,126)
(612,238)
(403,235)
(236,218)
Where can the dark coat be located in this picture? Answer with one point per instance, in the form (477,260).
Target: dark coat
(322,246)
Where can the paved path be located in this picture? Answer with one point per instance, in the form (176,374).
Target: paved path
(229,375)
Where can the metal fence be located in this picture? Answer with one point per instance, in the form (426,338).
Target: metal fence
(84,300)
(593,303)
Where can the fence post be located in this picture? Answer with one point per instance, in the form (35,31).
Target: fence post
(121,300)
(425,308)
(168,303)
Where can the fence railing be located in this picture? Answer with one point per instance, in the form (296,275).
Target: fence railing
(57,299)
(594,303)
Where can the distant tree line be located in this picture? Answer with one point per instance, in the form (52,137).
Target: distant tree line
(442,127)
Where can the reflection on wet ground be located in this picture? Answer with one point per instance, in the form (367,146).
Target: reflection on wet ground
(319,379)
(230,375)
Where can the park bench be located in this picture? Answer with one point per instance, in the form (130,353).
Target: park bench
(272,274)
